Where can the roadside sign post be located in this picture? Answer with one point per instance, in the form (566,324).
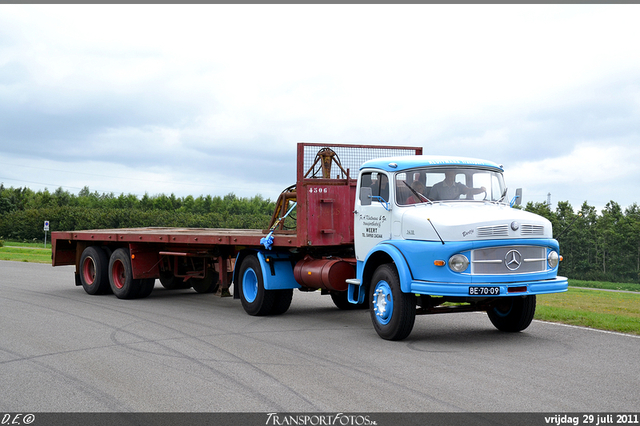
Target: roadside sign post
(46,229)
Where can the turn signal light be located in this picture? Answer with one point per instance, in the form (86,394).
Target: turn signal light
(439,262)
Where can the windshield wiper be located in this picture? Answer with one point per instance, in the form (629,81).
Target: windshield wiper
(421,197)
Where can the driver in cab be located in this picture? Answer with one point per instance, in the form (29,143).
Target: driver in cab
(449,189)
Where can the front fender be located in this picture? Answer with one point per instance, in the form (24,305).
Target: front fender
(381,254)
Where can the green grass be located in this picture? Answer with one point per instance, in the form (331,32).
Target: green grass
(27,244)
(605,285)
(604,310)
(25,252)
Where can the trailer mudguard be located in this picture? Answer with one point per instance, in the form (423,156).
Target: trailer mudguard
(277,270)
(276,267)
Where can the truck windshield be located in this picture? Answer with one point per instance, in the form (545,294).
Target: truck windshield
(448,184)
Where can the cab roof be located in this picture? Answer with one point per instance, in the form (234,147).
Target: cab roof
(394,164)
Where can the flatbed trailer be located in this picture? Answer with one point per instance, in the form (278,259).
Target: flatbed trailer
(200,248)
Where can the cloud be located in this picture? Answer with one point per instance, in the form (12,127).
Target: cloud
(592,173)
(198,99)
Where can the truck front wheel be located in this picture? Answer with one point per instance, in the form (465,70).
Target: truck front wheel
(513,313)
(256,301)
(94,275)
(393,312)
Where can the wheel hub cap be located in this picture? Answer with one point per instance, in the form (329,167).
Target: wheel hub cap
(383,302)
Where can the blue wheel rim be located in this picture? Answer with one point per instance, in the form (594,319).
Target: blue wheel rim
(250,285)
(383,302)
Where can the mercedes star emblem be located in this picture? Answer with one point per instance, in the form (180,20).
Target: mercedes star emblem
(513,260)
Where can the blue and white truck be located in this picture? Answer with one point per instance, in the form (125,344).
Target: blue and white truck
(438,234)
(410,234)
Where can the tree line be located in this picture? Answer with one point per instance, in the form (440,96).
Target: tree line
(23,211)
(596,246)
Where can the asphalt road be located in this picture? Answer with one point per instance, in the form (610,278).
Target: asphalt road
(62,350)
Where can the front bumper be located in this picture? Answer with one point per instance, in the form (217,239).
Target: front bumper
(520,288)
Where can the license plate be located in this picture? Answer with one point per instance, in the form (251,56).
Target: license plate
(484,291)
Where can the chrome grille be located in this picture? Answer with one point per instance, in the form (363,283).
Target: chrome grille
(508,260)
(532,230)
(503,230)
(493,231)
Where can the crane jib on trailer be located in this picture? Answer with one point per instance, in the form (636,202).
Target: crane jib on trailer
(383,228)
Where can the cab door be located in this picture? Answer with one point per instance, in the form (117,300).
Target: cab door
(372,213)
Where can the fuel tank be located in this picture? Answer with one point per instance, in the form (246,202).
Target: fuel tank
(328,274)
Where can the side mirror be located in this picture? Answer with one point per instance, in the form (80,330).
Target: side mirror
(365,196)
(518,198)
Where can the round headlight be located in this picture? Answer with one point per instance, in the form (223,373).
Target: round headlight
(553,259)
(458,262)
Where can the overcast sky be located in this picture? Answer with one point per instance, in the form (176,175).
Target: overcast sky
(212,99)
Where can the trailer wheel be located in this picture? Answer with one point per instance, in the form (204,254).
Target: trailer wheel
(513,313)
(121,277)
(208,284)
(282,301)
(146,287)
(171,282)
(393,312)
(94,270)
(256,301)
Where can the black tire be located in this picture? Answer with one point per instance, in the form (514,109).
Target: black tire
(208,284)
(146,287)
(94,271)
(340,299)
(171,282)
(393,312)
(121,277)
(107,250)
(282,301)
(513,314)
(256,301)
